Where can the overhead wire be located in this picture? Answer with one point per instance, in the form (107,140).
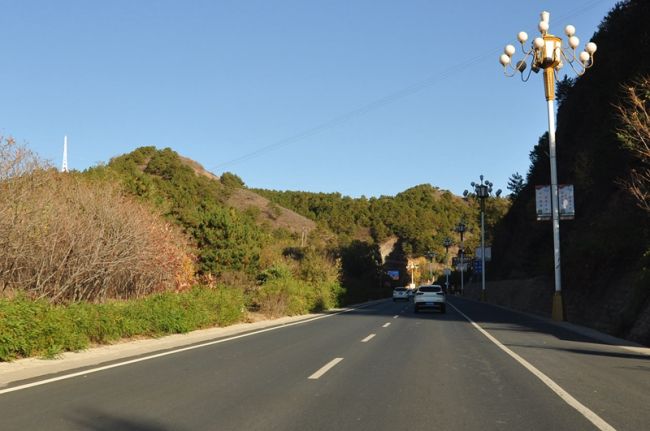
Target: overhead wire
(343,118)
(384,100)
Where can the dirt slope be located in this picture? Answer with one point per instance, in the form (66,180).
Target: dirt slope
(268,212)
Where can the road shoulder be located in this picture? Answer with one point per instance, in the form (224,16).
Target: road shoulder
(30,368)
(581,330)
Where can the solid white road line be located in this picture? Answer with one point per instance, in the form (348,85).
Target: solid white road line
(566,397)
(167,353)
(325,368)
(386,325)
(368,338)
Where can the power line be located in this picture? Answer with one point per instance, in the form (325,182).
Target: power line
(377,103)
(384,100)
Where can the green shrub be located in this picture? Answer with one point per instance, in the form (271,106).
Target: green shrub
(231,180)
(32,328)
(288,296)
(38,328)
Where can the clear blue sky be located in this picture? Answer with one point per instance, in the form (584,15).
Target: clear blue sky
(382,95)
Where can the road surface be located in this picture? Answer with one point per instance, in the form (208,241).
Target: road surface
(381,367)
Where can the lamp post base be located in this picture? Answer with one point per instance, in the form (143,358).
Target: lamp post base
(558,308)
(483,296)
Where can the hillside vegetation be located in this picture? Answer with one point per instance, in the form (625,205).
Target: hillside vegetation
(421,217)
(145,245)
(238,247)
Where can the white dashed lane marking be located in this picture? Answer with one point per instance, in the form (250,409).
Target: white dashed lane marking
(325,368)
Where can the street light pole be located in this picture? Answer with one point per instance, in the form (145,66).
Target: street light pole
(412,266)
(461,228)
(548,54)
(482,189)
(430,255)
(447,244)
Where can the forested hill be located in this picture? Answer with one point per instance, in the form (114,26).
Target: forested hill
(231,230)
(421,216)
(605,274)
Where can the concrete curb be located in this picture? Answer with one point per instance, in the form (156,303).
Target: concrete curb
(31,368)
(582,330)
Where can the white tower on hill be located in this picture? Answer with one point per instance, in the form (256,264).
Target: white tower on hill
(64,165)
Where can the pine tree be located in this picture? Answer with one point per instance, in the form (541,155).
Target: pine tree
(515,185)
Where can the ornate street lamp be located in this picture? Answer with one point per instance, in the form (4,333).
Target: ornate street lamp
(447,243)
(482,191)
(547,53)
(412,266)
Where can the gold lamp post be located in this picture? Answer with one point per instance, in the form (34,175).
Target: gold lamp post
(412,266)
(547,54)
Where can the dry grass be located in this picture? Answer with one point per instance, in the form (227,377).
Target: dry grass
(275,216)
(65,239)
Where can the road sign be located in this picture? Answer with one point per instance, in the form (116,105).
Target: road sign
(488,254)
(446,271)
(455,262)
(478,267)
(393,274)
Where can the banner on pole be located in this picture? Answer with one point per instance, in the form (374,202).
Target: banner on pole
(566,202)
(543,203)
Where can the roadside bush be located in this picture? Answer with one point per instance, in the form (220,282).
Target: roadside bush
(37,327)
(287,296)
(67,239)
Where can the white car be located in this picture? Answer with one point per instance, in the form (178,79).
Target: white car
(431,296)
(400,293)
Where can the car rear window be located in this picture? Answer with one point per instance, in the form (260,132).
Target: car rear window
(399,289)
(436,289)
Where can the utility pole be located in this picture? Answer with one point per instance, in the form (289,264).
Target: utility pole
(430,255)
(461,228)
(447,243)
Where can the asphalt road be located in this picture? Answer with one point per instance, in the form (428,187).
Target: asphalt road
(389,369)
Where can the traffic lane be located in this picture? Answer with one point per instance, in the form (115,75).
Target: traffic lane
(612,381)
(432,371)
(194,386)
(204,338)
